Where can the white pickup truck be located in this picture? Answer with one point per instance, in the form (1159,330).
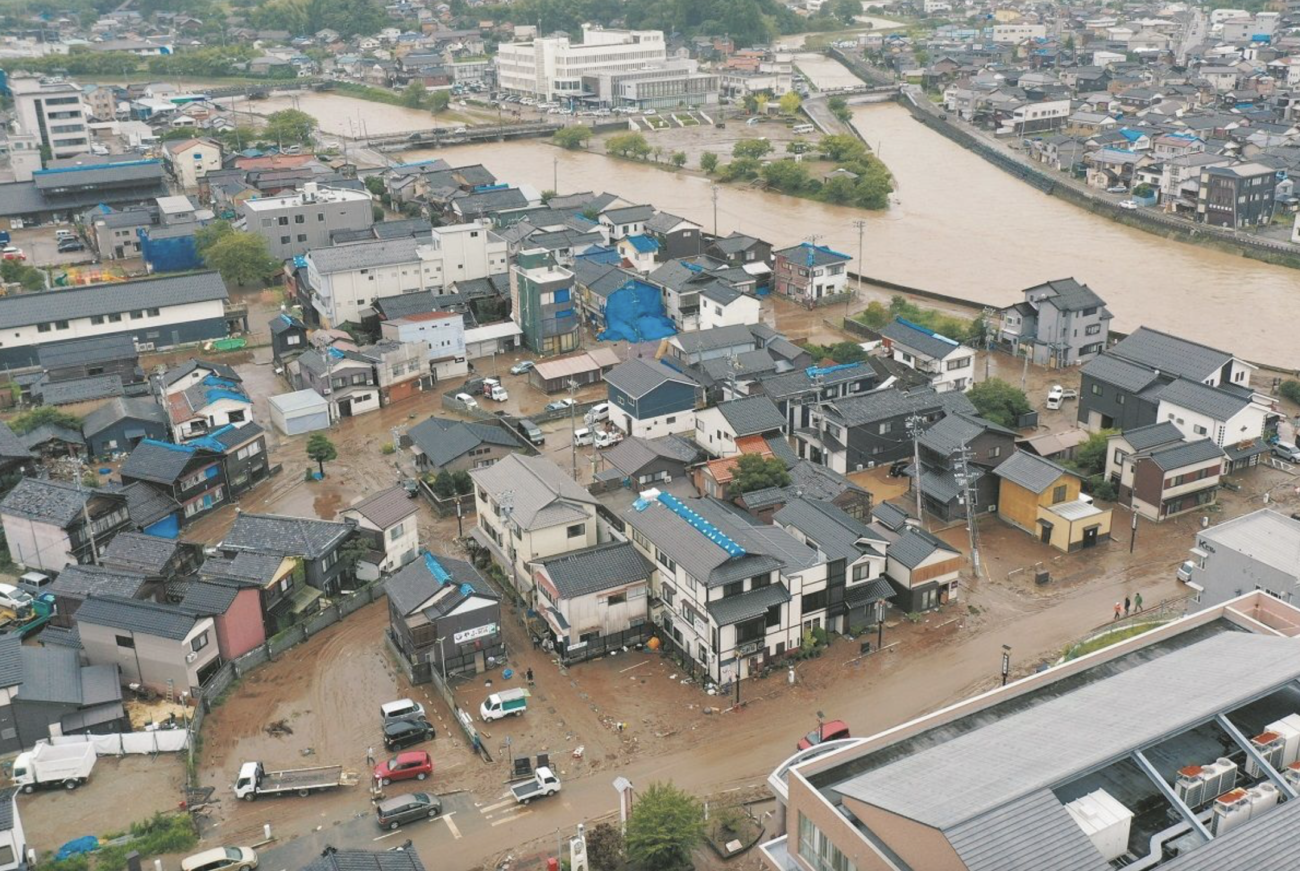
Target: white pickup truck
(544,783)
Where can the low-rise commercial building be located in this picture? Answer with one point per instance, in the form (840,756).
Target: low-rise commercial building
(293,224)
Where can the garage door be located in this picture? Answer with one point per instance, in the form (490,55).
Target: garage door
(308,422)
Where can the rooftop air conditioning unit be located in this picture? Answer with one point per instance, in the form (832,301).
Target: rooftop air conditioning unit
(1291,774)
(1289,729)
(1272,747)
(1262,797)
(1189,786)
(1104,820)
(1230,810)
(1227,771)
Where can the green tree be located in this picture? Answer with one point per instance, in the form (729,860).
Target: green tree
(751,148)
(846,10)
(444,487)
(45,414)
(321,449)
(289,127)
(839,108)
(15,271)
(790,101)
(1290,390)
(847,352)
(376,212)
(572,137)
(439,101)
(785,175)
(709,162)
(839,190)
(841,148)
(351,553)
(997,401)
(741,169)
(241,258)
(206,237)
(415,96)
(1090,457)
(605,848)
(875,315)
(666,824)
(376,186)
(628,145)
(462,483)
(756,472)
(678,159)
(798,146)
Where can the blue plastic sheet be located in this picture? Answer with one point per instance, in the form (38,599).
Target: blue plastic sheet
(635,313)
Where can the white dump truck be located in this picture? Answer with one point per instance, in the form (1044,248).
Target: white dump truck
(66,765)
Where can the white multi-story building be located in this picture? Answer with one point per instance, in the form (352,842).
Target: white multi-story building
(553,66)
(293,224)
(54,112)
(1009,34)
(346,279)
(442,333)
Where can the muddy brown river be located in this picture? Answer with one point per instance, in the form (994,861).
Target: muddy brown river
(959,226)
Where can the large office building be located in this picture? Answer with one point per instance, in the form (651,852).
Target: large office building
(675,83)
(54,112)
(553,67)
(1174,750)
(293,224)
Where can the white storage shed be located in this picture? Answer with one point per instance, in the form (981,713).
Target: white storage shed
(300,412)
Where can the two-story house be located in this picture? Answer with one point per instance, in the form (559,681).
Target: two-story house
(862,431)
(806,273)
(192,475)
(443,617)
(620,222)
(1042,498)
(717,429)
(387,520)
(528,509)
(441,333)
(730,596)
(1253,552)
(1169,479)
(649,399)
(1233,419)
(200,397)
(676,237)
(949,364)
(50,524)
(1060,323)
(236,612)
(737,249)
(957,453)
(441,443)
(797,393)
(166,648)
(346,378)
(277,579)
(317,543)
(595,600)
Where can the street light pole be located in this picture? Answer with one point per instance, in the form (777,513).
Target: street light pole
(1006,663)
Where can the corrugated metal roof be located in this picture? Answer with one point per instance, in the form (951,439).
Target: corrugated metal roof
(1032,833)
(26,309)
(1178,456)
(1210,401)
(1125,375)
(1088,727)
(1265,842)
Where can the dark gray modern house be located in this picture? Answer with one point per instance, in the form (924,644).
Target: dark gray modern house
(443,616)
(316,542)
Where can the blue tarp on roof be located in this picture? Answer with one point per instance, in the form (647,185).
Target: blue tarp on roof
(215,393)
(635,313)
(435,568)
(643,244)
(184,449)
(707,529)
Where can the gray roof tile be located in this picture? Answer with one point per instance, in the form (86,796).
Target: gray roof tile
(123,408)
(78,582)
(139,552)
(924,342)
(79,389)
(51,674)
(701,557)
(161,462)
(387,507)
(754,414)
(746,606)
(1127,376)
(596,568)
(838,535)
(286,536)
(246,568)
(1157,350)
(541,494)
(1182,455)
(1210,401)
(1030,471)
(366,255)
(11,660)
(55,502)
(365,860)
(1031,833)
(25,309)
(891,403)
(209,599)
(1153,435)
(91,349)
(1066,294)
(146,618)
(443,439)
(10,446)
(414,585)
(638,376)
(914,546)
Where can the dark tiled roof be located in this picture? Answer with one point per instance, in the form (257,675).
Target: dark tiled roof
(365,860)
(287,536)
(11,660)
(79,389)
(808,254)
(637,376)
(245,568)
(714,339)
(1030,471)
(1127,376)
(78,581)
(387,507)
(956,430)
(159,462)
(146,618)
(10,445)
(864,594)
(1066,294)
(49,432)
(1157,350)
(135,550)
(51,674)
(596,568)
(1153,435)
(1212,402)
(25,309)
(746,606)
(146,504)
(754,414)
(1186,454)
(829,527)
(891,403)
(414,584)
(221,370)
(914,546)
(209,599)
(49,501)
(443,440)
(923,342)
(123,408)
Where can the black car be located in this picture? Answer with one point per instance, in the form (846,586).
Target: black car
(71,245)
(399,734)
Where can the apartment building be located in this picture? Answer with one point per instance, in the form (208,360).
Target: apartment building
(295,223)
(553,67)
(542,302)
(54,111)
(342,282)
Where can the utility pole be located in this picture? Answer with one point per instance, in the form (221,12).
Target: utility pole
(961,458)
(914,429)
(555,176)
(573,426)
(861,226)
(1024,372)
(714,190)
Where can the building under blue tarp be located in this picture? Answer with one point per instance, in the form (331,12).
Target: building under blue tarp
(635,313)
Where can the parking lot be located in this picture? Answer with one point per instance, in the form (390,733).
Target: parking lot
(42,249)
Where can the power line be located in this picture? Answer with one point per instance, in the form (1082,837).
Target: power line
(915,428)
(966,480)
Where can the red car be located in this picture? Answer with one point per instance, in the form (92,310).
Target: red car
(832,730)
(413,765)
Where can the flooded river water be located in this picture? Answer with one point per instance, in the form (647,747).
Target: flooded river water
(959,226)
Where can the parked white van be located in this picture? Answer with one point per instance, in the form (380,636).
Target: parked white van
(582,437)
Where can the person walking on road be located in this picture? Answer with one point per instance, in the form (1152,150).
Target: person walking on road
(529,675)
(1137,602)
(1117,608)
(1127,605)
(370,756)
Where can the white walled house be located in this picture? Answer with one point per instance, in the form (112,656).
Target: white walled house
(190,160)
(443,333)
(13,840)
(345,280)
(595,600)
(722,306)
(649,399)
(163,647)
(387,520)
(528,509)
(1228,418)
(949,364)
(718,428)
